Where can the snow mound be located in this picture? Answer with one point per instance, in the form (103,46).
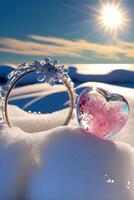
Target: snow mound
(62,163)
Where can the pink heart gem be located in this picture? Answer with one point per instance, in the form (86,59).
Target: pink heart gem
(101,113)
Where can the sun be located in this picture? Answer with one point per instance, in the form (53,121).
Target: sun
(111,17)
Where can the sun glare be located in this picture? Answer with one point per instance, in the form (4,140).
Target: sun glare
(111,17)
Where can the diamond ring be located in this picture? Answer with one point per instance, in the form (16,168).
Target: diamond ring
(49,71)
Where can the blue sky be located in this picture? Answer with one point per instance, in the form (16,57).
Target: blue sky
(65,29)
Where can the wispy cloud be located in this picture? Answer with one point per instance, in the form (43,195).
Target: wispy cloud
(52,46)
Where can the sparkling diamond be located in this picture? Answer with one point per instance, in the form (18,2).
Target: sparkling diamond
(41,77)
(51,81)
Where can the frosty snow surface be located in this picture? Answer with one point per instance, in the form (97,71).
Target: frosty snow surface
(42,161)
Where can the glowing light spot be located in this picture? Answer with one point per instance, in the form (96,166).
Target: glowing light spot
(111,17)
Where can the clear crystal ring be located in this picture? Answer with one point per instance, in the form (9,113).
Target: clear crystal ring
(49,71)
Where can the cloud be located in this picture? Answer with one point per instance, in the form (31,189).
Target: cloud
(52,46)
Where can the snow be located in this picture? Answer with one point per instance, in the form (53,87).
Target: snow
(44,122)
(108,73)
(74,166)
(64,163)
(14,158)
(41,159)
(102,73)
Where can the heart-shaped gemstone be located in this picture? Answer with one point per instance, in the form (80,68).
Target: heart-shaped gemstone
(101,113)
